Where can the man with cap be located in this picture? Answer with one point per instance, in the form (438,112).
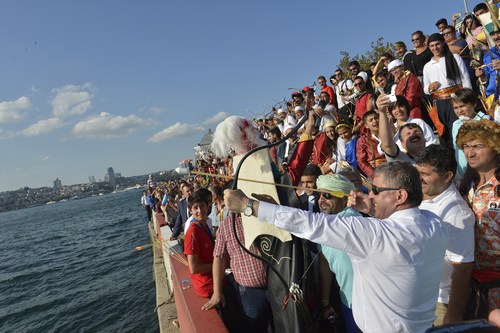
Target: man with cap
(408,86)
(444,74)
(298,99)
(334,190)
(299,114)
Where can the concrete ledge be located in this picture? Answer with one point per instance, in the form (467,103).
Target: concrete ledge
(191,317)
(165,307)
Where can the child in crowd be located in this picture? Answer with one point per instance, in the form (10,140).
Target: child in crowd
(199,245)
(464,104)
(346,143)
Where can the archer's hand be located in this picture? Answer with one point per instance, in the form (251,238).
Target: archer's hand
(235,200)
(214,301)
(265,198)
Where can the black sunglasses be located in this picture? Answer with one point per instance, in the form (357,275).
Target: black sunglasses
(376,190)
(327,196)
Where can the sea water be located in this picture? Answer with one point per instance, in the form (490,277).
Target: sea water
(71,267)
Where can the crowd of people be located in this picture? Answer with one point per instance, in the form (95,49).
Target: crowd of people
(388,181)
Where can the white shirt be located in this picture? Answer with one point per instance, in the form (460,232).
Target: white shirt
(342,90)
(190,220)
(397,261)
(459,221)
(436,71)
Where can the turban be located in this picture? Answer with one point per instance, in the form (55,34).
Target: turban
(335,183)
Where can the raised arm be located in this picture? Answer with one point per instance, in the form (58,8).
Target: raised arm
(385,128)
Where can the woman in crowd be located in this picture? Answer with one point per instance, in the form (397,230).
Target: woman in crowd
(480,142)
(325,147)
(470,28)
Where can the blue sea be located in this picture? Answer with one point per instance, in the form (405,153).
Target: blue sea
(71,267)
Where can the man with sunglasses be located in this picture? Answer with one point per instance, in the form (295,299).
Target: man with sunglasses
(343,87)
(397,255)
(334,190)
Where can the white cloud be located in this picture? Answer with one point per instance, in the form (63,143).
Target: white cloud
(106,125)
(34,89)
(43,126)
(216,119)
(44,157)
(11,111)
(71,100)
(177,130)
(157,109)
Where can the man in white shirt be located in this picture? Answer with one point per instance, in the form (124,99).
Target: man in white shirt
(437,167)
(444,74)
(397,255)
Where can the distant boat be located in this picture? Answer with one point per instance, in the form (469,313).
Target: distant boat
(51,202)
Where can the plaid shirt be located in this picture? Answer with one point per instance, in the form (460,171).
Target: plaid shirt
(247,271)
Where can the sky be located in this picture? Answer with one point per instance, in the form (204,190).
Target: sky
(134,85)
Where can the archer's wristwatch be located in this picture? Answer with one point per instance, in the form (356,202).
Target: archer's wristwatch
(249,208)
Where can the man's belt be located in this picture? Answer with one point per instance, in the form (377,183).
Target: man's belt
(445,92)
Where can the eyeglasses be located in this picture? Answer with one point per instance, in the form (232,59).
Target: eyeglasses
(358,84)
(376,190)
(447,33)
(415,40)
(330,195)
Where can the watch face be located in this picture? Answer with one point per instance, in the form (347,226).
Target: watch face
(248,211)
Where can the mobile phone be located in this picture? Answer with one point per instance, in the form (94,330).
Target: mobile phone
(392,98)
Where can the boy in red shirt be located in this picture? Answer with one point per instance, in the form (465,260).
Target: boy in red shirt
(199,246)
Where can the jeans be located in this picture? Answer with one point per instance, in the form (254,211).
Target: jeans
(255,308)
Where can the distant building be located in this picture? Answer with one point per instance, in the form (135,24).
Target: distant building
(91,179)
(111,177)
(57,184)
(202,150)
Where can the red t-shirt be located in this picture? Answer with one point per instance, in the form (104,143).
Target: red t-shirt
(199,241)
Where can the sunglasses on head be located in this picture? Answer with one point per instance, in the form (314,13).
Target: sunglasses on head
(376,190)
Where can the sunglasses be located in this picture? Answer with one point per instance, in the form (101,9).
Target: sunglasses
(376,190)
(415,40)
(329,195)
(358,84)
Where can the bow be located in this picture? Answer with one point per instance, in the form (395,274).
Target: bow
(235,186)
